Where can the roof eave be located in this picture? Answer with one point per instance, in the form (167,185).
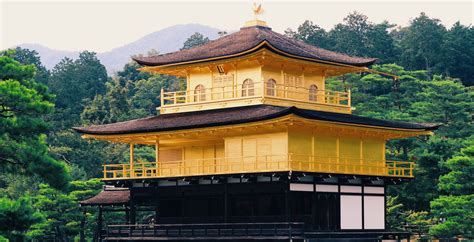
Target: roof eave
(262,44)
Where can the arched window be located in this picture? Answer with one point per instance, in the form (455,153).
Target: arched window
(247,88)
(271,87)
(199,93)
(313,93)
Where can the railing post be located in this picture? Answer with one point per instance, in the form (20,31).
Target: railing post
(349,97)
(105,171)
(162,98)
(132,167)
(157,157)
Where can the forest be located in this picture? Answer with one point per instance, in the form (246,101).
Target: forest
(46,168)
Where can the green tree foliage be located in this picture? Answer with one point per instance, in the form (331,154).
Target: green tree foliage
(73,82)
(420,43)
(455,211)
(355,36)
(129,95)
(395,215)
(16,217)
(423,45)
(455,214)
(194,40)
(312,34)
(359,37)
(458,53)
(24,103)
(30,57)
(64,219)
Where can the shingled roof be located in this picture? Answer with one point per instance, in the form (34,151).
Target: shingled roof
(248,40)
(238,115)
(109,196)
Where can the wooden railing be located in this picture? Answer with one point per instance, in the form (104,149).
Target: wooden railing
(207,231)
(258,89)
(264,163)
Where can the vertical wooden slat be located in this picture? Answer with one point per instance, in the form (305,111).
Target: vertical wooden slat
(132,168)
(157,159)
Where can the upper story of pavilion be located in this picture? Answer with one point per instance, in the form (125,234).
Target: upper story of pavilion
(254,66)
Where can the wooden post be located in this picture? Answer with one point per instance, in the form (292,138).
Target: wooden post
(133,214)
(127,214)
(132,168)
(133,217)
(162,98)
(99,224)
(287,201)
(362,163)
(226,209)
(234,86)
(157,159)
(349,98)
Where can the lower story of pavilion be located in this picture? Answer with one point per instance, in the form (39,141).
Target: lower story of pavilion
(260,206)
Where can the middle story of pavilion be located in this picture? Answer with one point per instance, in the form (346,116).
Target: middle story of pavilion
(257,138)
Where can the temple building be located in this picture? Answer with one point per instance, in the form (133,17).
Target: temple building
(256,147)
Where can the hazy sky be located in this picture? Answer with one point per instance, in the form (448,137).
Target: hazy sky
(105,24)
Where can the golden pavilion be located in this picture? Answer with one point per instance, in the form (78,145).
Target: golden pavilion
(255,148)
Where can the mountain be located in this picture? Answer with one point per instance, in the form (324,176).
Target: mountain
(50,57)
(164,41)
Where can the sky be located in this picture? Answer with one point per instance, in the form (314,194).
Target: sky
(102,25)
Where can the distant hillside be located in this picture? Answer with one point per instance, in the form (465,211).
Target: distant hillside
(164,41)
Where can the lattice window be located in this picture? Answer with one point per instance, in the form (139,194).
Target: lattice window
(248,88)
(199,93)
(223,80)
(271,87)
(313,93)
(293,81)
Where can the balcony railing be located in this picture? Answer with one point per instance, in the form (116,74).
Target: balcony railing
(254,164)
(258,89)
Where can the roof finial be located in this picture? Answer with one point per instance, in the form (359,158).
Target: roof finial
(257,10)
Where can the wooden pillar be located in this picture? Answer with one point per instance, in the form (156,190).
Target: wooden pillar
(362,163)
(157,214)
(235,82)
(314,206)
(132,154)
(226,201)
(157,159)
(99,224)
(127,214)
(287,201)
(133,215)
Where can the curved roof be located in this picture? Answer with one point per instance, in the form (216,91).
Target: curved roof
(109,196)
(250,39)
(238,115)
